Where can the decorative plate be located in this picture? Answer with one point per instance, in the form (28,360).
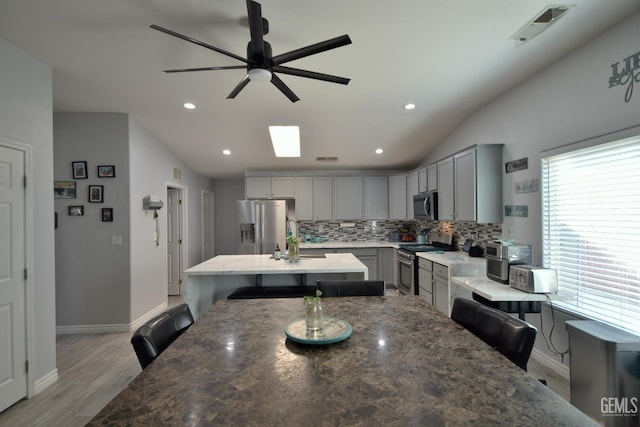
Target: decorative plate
(333,330)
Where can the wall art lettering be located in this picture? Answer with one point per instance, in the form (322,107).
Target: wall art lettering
(530,186)
(516,210)
(628,75)
(516,165)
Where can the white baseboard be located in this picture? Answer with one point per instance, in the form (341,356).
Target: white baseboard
(92,329)
(44,382)
(148,315)
(551,363)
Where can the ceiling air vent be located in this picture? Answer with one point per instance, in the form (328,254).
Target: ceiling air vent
(541,22)
(326,159)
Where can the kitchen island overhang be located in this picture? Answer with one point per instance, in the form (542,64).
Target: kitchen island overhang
(220,276)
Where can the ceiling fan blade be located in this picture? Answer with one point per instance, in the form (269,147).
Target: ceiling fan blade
(236,90)
(284,88)
(310,74)
(199,43)
(182,70)
(312,49)
(255,27)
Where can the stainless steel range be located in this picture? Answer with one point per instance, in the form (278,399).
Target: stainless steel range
(408,264)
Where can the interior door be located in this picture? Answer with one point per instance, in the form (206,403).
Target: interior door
(13,376)
(174,241)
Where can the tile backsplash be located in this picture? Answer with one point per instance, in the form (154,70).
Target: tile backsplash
(379,230)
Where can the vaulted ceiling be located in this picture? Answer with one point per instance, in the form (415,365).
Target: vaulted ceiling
(447,57)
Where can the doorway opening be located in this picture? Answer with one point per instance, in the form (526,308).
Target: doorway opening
(175,239)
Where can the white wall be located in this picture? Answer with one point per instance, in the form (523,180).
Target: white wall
(567,102)
(151,170)
(92,275)
(26,117)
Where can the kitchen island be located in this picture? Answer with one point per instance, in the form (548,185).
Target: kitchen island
(218,277)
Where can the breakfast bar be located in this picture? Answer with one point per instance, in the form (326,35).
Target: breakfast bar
(404,364)
(220,276)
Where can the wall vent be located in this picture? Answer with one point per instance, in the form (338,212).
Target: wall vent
(541,22)
(327,159)
(177,174)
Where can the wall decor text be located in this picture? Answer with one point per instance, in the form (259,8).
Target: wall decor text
(628,75)
(530,186)
(516,165)
(516,210)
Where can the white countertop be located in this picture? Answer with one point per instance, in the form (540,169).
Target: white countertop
(228,265)
(494,291)
(451,258)
(335,244)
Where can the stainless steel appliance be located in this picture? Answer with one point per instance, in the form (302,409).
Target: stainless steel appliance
(407,279)
(532,279)
(425,206)
(262,225)
(501,256)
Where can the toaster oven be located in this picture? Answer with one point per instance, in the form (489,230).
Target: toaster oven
(532,279)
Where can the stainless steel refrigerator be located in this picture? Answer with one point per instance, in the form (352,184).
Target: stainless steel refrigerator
(261,225)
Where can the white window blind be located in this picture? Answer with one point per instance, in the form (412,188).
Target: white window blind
(591,230)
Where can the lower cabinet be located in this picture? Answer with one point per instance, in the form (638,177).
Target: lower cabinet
(425,280)
(379,261)
(367,256)
(441,288)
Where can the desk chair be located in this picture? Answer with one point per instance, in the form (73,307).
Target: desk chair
(350,288)
(512,337)
(152,338)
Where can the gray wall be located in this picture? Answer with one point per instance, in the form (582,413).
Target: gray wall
(26,117)
(92,276)
(567,102)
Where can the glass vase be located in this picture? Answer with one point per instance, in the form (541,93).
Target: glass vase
(294,252)
(313,314)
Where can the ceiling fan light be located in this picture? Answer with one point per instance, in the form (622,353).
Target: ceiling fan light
(259,75)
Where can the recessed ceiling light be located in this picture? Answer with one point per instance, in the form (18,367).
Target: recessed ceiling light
(379,151)
(226,152)
(409,106)
(285,140)
(189,106)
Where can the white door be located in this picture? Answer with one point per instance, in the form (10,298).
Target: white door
(208,225)
(13,376)
(174,241)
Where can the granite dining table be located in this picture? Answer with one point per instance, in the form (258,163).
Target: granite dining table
(404,364)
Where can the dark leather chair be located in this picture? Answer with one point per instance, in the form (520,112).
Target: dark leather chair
(512,337)
(152,338)
(350,288)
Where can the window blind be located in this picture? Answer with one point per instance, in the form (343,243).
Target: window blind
(591,230)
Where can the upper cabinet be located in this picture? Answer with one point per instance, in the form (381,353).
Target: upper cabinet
(422,180)
(432,177)
(412,190)
(303,193)
(322,198)
(376,197)
(269,188)
(398,197)
(347,196)
(470,185)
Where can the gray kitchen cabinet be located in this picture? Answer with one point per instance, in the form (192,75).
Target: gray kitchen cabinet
(398,197)
(322,198)
(422,180)
(347,196)
(257,187)
(303,194)
(385,265)
(464,186)
(282,187)
(445,190)
(432,177)
(441,288)
(425,280)
(367,256)
(412,190)
(376,197)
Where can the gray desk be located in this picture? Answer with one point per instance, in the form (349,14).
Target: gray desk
(405,364)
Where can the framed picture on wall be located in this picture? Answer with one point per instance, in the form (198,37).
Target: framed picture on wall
(64,189)
(76,210)
(106,171)
(95,193)
(79,170)
(107,214)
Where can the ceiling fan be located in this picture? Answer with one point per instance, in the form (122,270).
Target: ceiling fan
(260,64)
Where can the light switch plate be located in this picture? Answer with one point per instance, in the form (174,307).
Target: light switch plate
(116,240)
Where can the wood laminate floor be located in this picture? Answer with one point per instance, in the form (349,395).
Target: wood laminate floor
(93,368)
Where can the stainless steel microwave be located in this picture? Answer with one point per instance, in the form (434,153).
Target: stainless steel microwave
(425,206)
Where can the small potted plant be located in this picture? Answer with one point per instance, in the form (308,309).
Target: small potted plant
(313,311)
(294,249)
